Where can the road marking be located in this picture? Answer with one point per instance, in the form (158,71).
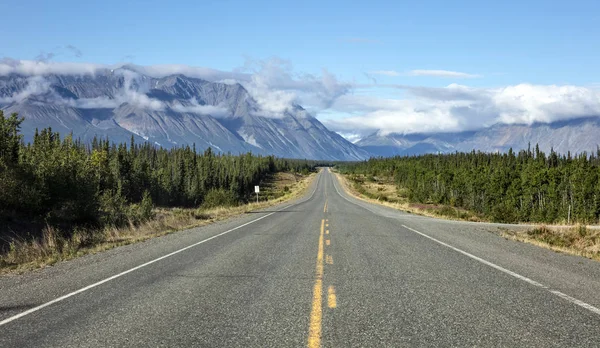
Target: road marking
(64,297)
(328,242)
(326,225)
(329,260)
(331,298)
(316,314)
(516,275)
(573,300)
(327,232)
(325,207)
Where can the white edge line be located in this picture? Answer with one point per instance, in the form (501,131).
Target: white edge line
(509,272)
(64,297)
(493,265)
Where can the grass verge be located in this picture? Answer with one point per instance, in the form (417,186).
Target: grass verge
(384,192)
(577,240)
(53,247)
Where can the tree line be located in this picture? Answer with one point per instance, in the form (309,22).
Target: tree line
(528,186)
(63,180)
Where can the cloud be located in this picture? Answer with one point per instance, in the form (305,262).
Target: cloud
(352,137)
(209,74)
(443,73)
(193,106)
(385,72)
(74,50)
(45,56)
(272,82)
(48,56)
(36,68)
(45,67)
(458,108)
(34,85)
(276,88)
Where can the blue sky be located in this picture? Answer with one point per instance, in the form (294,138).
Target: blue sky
(504,43)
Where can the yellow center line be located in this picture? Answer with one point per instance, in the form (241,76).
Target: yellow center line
(327,242)
(327,232)
(331,298)
(316,314)
(325,207)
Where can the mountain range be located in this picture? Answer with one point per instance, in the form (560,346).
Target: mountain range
(575,136)
(169,111)
(179,110)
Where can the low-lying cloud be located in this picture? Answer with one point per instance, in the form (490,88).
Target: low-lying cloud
(458,108)
(277,88)
(192,106)
(272,83)
(443,73)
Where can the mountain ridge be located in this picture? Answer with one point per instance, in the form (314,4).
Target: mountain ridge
(574,136)
(168,111)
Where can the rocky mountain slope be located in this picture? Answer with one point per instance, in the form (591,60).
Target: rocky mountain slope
(169,111)
(575,135)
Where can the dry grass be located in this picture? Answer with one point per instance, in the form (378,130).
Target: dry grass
(384,192)
(578,240)
(53,247)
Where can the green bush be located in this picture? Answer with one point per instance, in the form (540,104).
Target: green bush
(503,213)
(448,211)
(219,198)
(145,209)
(113,209)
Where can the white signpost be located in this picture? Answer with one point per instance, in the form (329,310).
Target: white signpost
(257,190)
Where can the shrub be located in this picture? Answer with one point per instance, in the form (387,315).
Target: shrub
(145,208)
(503,213)
(219,198)
(448,211)
(113,208)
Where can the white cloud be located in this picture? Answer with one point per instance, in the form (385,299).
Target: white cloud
(36,68)
(45,67)
(443,73)
(194,107)
(385,72)
(272,83)
(352,137)
(528,104)
(34,85)
(276,88)
(458,108)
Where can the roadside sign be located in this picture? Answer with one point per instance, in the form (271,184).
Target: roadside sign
(256,189)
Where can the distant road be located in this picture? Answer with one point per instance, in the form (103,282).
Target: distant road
(327,270)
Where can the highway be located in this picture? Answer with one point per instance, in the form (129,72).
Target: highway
(326,270)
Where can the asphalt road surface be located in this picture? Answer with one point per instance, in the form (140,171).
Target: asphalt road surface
(326,270)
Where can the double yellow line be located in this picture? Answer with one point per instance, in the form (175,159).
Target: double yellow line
(316,314)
